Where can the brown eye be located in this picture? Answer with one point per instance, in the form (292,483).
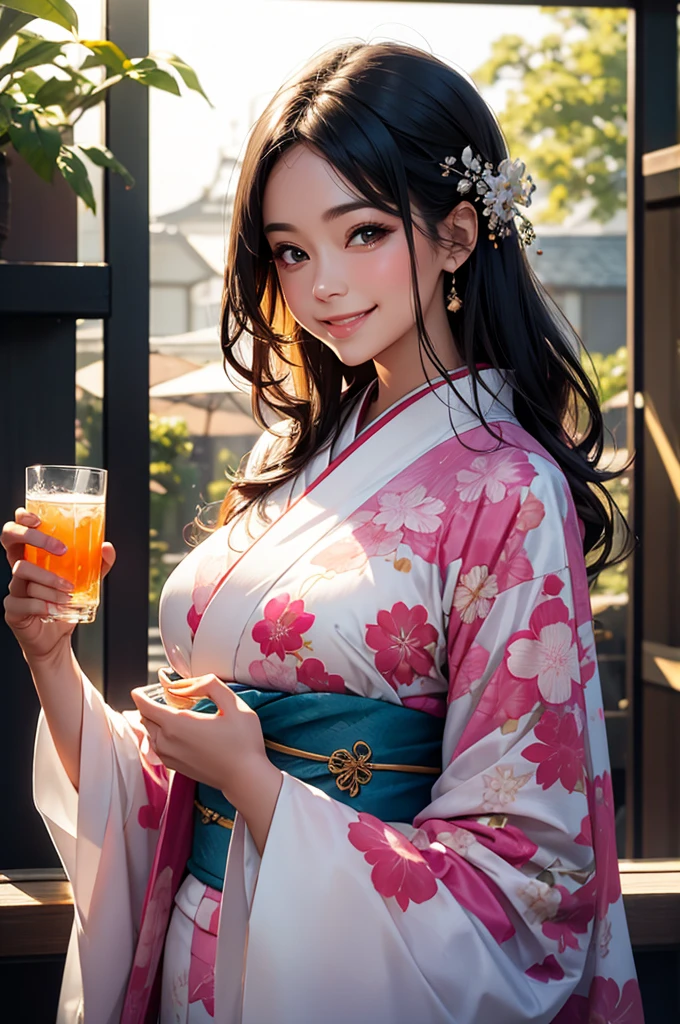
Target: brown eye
(367,235)
(284,251)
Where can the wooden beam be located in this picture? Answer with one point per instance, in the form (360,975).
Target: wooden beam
(35,918)
(36,911)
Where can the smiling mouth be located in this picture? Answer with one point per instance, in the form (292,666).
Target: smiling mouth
(336,322)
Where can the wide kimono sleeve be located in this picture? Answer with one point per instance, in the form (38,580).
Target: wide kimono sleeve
(501,901)
(106,835)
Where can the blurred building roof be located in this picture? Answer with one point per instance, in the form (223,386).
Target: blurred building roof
(579,261)
(174,260)
(210,214)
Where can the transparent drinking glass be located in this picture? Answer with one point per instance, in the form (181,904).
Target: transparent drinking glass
(70,502)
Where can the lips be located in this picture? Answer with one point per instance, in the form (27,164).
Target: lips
(340,327)
(348,317)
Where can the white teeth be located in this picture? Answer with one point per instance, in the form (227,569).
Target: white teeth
(349,320)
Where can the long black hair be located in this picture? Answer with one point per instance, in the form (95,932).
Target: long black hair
(385,116)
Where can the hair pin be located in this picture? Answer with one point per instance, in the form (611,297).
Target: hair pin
(502,193)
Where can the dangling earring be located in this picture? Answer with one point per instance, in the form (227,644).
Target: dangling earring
(453,301)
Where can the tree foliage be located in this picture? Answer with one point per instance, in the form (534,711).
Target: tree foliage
(609,373)
(566,114)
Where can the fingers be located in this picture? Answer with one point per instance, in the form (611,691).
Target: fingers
(24,531)
(34,591)
(26,577)
(17,609)
(151,728)
(150,709)
(204,686)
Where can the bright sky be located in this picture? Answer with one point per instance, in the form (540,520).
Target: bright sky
(243,52)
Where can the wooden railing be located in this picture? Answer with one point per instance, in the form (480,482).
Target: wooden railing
(36,908)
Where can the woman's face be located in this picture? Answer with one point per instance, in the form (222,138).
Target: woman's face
(343,266)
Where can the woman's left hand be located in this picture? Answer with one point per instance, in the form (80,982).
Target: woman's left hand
(224,750)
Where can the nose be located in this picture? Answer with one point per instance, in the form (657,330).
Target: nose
(328,284)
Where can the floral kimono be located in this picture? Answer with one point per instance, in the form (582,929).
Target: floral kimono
(420,564)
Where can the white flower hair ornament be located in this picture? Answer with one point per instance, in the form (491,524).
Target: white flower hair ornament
(502,193)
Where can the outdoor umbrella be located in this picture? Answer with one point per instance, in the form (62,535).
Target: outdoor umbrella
(90,378)
(210,388)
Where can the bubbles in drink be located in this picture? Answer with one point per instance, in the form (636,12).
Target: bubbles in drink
(78,522)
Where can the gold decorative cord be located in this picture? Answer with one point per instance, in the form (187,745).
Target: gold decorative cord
(351,770)
(210,817)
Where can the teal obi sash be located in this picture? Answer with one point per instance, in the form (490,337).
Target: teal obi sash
(373,756)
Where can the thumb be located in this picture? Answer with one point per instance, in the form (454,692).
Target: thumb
(108,557)
(205,686)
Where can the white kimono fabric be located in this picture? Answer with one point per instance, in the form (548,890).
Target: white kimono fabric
(419,562)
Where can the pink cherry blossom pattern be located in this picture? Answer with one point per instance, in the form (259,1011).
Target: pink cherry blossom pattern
(411,510)
(201,982)
(431,704)
(503,699)
(501,788)
(469,672)
(513,565)
(399,869)
(548,970)
(208,575)
(574,914)
(367,539)
(531,513)
(552,585)
(587,662)
(313,674)
(400,638)
(155,919)
(547,652)
(559,753)
(603,840)
(446,852)
(273,675)
(604,1004)
(156,784)
(495,476)
(281,629)
(542,900)
(474,594)
(604,937)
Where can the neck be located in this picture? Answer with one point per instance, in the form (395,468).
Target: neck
(399,368)
(391,389)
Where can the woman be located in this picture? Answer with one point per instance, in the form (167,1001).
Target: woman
(406,755)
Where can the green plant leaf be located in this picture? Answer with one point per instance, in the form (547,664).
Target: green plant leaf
(142,63)
(98,93)
(56,92)
(107,53)
(75,174)
(31,53)
(6,105)
(30,83)
(103,157)
(185,71)
(11,22)
(37,143)
(58,11)
(155,78)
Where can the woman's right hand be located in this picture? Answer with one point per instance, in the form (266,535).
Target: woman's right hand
(32,589)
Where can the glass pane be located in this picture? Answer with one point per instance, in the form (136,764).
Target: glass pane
(89,452)
(89,130)
(90,333)
(574,146)
(582,234)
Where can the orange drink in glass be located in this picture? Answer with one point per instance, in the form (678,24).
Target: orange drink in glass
(70,502)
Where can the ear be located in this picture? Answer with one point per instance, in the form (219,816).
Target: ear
(459,234)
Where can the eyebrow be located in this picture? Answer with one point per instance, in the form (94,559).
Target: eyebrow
(332,214)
